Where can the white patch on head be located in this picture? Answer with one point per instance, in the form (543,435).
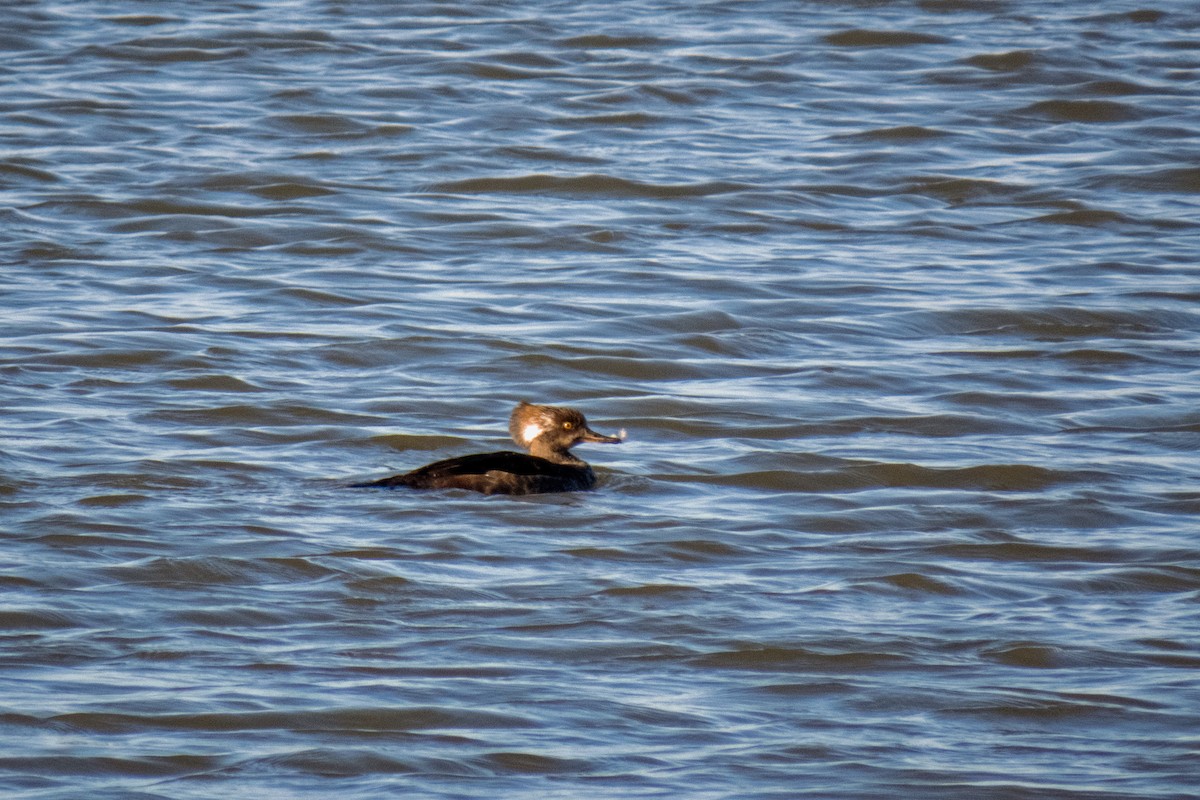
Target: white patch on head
(621,434)
(530,432)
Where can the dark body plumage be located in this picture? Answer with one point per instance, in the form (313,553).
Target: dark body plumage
(549,433)
(506,472)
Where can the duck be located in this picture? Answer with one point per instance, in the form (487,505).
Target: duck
(547,432)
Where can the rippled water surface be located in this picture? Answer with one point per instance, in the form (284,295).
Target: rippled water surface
(896,301)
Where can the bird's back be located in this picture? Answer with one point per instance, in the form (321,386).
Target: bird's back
(505,472)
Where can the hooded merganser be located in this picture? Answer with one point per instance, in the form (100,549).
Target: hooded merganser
(547,432)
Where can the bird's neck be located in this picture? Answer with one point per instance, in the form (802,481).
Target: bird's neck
(553,452)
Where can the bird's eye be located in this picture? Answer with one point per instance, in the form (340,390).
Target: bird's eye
(567,426)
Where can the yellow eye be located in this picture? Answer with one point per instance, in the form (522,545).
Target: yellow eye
(567,426)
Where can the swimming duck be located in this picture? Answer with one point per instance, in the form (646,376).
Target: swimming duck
(547,432)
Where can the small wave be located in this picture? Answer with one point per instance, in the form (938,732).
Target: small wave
(534,764)
(1158,580)
(295,40)
(1086,111)
(861,475)
(626,368)
(1115,88)
(961,191)
(542,154)
(100,767)
(1040,655)
(38,251)
(617,554)
(501,72)
(167,50)
(689,551)
(1010,61)
(1092,355)
(380,585)
(113,359)
(12,619)
(21,170)
(791,659)
(931,425)
(1085,218)
(1053,323)
(986,477)
(215,570)
(909,583)
(859,37)
(329,762)
(245,415)
(651,590)
(901,133)
(416,441)
(171,206)
(316,297)
(265,184)
(1175,179)
(1152,418)
(113,500)
(214,383)
(601,41)
(291,190)
(141,20)
(593,184)
(321,124)
(318,719)
(700,550)
(1026,552)
(630,119)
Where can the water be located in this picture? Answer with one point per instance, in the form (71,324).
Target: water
(896,301)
